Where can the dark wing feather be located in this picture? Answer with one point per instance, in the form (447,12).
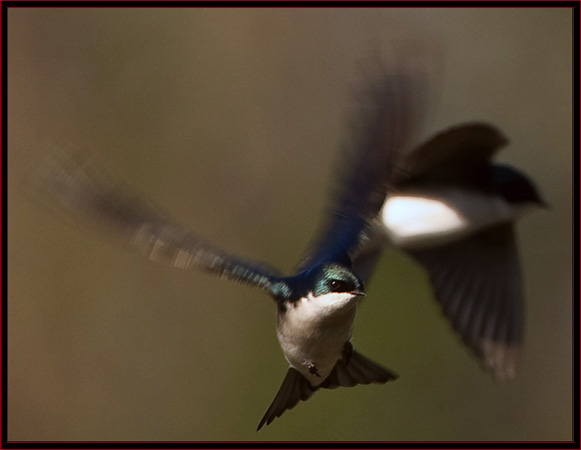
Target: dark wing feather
(380,129)
(80,190)
(294,388)
(477,282)
(459,154)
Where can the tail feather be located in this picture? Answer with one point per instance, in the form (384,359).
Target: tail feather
(294,388)
(348,372)
(359,370)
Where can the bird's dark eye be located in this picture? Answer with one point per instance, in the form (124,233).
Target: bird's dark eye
(338,286)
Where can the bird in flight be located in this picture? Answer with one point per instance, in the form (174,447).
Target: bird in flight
(315,307)
(445,203)
(452,210)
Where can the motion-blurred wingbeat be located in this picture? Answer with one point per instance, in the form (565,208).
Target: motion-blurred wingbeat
(444,203)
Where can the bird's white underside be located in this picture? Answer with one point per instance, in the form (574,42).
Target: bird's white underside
(315,330)
(415,221)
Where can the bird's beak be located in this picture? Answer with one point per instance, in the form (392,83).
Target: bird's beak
(359,293)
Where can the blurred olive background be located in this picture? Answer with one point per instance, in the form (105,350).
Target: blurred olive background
(231,120)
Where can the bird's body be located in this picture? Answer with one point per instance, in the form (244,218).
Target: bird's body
(313,332)
(420,218)
(453,210)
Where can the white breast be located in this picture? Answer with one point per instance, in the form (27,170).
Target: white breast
(315,330)
(415,221)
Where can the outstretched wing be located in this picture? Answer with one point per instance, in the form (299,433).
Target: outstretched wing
(379,131)
(79,190)
(481,296)
(476,280)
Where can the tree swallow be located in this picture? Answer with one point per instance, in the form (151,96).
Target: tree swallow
(452,210)
(315,307)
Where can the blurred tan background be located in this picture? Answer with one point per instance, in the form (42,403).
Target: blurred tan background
(231,120)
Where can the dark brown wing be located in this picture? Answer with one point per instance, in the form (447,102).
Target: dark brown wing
(461,153)
(477,282)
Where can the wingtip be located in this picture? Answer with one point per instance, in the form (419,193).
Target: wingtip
(500,358)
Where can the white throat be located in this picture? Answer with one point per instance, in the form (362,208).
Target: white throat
(314,331)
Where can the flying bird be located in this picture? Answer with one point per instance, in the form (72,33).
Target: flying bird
(445,203)
(452,209)
(315,306)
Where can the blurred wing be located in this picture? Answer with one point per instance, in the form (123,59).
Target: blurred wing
(379,131)
(80,191)
(461,153)
(477,282)
(365,262)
